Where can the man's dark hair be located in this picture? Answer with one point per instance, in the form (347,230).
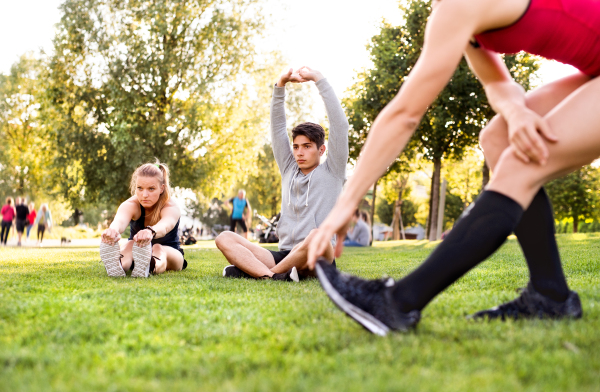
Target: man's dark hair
(314,132)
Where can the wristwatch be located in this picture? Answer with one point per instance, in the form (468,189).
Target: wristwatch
(151,230)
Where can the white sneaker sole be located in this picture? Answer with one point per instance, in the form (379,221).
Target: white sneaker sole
(365,319)
(141,258)
(294,275)
(111,257)
(225,270)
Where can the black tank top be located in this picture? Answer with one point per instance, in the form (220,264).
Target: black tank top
(171,239)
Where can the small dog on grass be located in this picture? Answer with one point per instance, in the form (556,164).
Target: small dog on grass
(64,240)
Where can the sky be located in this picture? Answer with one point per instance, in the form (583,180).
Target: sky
(327,35)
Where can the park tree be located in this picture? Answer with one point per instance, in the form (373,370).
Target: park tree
(453,121)
(135,80)
(575,195)
(23,151)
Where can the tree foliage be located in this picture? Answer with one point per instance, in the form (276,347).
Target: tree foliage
(138,79)
(575,195)
(23,148)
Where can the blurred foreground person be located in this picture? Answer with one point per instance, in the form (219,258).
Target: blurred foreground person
(153,218)
(8,215)
(536,137)
(43,221)
(309,188)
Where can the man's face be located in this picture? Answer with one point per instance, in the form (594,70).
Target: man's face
(306,153)
(240,195)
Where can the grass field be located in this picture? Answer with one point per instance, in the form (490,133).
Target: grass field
(66,326)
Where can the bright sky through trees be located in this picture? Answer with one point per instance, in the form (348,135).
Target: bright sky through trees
(325,34)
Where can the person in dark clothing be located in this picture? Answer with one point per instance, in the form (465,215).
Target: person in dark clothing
(153,218)
(22,221)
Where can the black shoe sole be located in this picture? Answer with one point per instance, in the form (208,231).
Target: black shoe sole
(368,321)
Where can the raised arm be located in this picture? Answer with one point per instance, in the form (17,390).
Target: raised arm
(337,145)
(507,98)
(279,137)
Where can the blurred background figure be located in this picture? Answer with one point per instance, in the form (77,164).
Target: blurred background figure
(359,235)
(43,221)
(240,211)
(21,214)
(8,215)
(31,218)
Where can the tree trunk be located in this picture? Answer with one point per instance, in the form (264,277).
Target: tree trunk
(485,175)
(575,223)
(435,199)
(373,207)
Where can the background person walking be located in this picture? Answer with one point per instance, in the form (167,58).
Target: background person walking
(8,215)
(22,212)
(31,218)
(43,222)
(240,211)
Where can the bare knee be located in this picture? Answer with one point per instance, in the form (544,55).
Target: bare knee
(225,239)
(493,140)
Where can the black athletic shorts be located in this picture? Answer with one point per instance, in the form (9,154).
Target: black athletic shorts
(282,254)
(22,224)
(241,222)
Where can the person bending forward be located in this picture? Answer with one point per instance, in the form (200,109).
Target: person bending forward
(153,218)
(309,188)
(535,138)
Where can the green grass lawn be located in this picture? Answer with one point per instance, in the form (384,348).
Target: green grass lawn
(66,326)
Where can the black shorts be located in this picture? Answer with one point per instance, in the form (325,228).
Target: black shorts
(241,222)
(22,224)
(279,255)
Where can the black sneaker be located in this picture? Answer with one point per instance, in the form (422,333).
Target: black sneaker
(531,304)
(290,276)
(231,271)
(368,302)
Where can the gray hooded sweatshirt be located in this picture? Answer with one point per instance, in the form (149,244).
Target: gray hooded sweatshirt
(306,200)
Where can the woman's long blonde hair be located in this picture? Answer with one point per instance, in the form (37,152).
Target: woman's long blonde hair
(157,170)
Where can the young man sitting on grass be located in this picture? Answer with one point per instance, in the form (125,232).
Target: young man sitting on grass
(309,188)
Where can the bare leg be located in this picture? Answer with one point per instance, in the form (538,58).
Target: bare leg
(127,259)
(245,255)
(298,258)
(575,121)
(167,258)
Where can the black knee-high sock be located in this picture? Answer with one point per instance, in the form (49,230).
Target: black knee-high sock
(479,233)
(535,233)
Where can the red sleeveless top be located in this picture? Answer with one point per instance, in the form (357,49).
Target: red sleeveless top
(564,30)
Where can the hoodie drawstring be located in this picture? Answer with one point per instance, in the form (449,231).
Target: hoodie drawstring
(290,191)
(307,192)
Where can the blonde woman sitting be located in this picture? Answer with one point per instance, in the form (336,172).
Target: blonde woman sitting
(153,218)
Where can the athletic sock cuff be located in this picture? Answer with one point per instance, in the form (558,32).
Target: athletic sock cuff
(501,202)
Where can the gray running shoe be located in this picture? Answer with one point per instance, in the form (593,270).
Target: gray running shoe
(142,257)
(111,257)
(368,302)
(290,276)
(531,304)
(231,271)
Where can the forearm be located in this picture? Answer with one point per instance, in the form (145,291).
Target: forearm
(119,224)
(506,97)
(163,227)
(337,145)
